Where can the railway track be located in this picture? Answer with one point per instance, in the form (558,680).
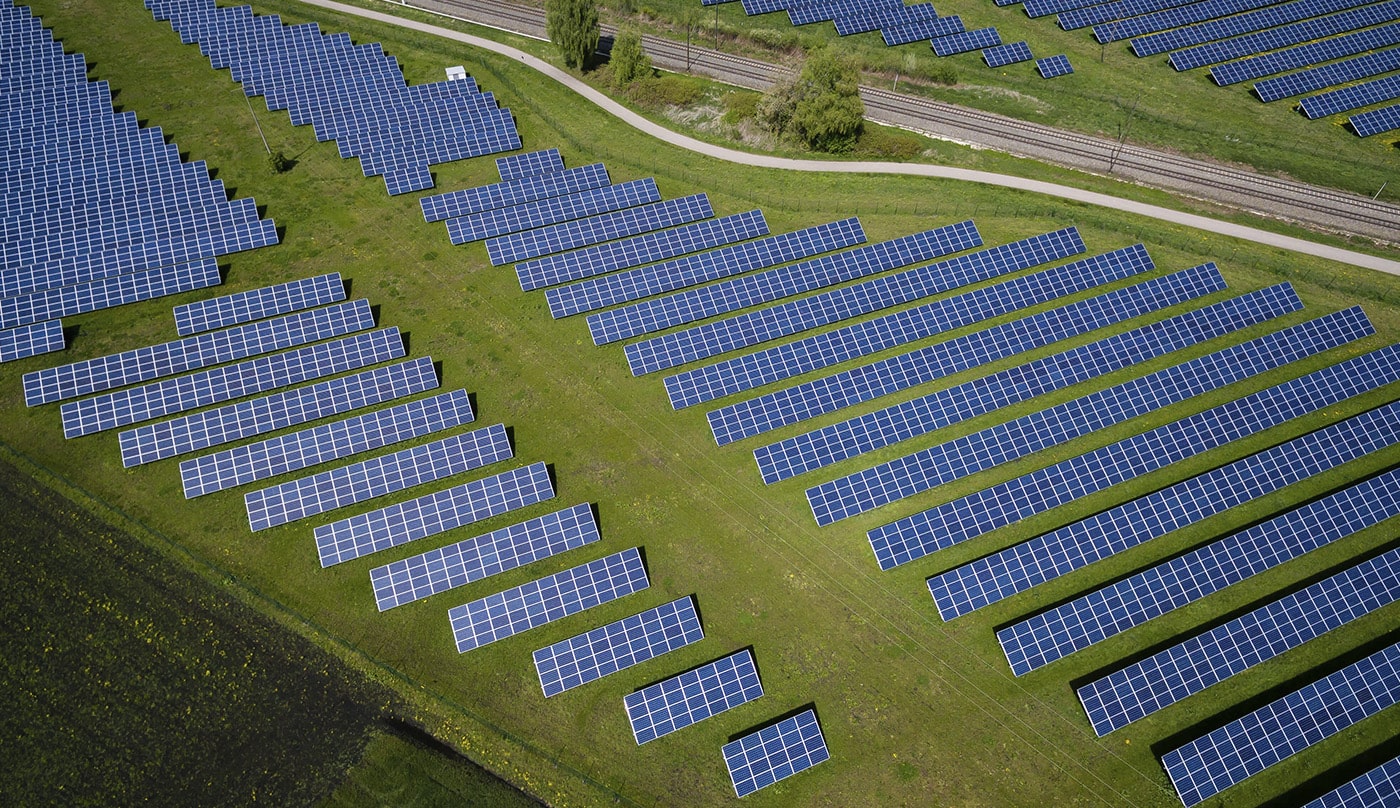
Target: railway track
(1313,206)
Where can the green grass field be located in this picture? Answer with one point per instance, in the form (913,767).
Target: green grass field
(916,712)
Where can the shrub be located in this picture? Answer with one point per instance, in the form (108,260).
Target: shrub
(628,61)
(572,25)
(739,106)
(658,92)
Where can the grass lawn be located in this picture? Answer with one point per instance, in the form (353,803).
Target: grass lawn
(916,712)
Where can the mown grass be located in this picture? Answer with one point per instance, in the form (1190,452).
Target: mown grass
(916,712)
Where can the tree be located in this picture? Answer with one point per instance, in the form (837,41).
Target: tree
(629,62)
(821,107)
(572,25)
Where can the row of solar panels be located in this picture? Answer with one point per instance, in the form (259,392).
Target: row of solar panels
(97,212)
(355,95)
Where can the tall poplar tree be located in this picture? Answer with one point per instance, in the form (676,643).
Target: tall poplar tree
(572,25)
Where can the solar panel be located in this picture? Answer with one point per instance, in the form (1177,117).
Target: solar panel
(887,17)
(152,442)
(1208,765)
(191,353)
(1003,55)
(644,249)
(775,753)
(1349,98)
(889,331)
(1106,612)
(741,331)
(1205,659)
(617,646)
(1292,34)
(1316,78)
(269,301)
(966,41)
(105,293)
(921,471)
(514,192)
(1379,786)
(1306,54)
(1172,18)
(906,420)
(557,596)
(1116,530)
(583,232)
(31,340)
(518,166)
(1376,121)
(693,696)
(805,12)
(1052,66)
(482,556)
(916,30)
(689,271)
(375,477)
(432,514)
(1030,494)
(324,443)
(849,387)
(122,407)
(1086,12)
(1273,15)
(478,226)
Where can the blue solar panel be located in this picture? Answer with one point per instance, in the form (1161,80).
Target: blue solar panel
(482,556)
(269,301)
(920,30)
(849,387)
(515,192)
(1235,25)
(1349,98)
(966,41)
(617,646)
(1039,640)
(1138,24)
(1195,664)
(583,232)
(1286,35)
(527,606)
(80,298)
(1052,66)
(1377,787)
(1376,121)
(1003,55)
(844,303)
(518,166)
(899,422)
(887,17)
(375,477)
(805,12)
(693,696)
(892,330)
(322,444)
(432,514)
(596,260)
(755,7)
(1305,81)
(191,353)
(775,753)
(691,270)
(913,474)
(1047,488)
(1244,747)
(1116,530)
(122,407)
(200,430)
(490,223)
(1041,8)
(1304,55)
(31,340)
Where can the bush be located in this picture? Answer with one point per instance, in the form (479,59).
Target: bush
(883,142)
(820,107)
(628,61)
(659,92)
(572,25)
(279,163)
(739,106)
(944,74)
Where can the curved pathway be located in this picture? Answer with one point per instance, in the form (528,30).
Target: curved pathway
(911,169)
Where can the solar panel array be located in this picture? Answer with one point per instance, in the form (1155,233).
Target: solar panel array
(583,232)
(1303,55)
(966,41)
(191,353)
(887,376)
(1212,763)
(1292,34)
(886,17)
(1111,610)
(201,430)
(501,221)
(322,444)
(920,30)
(1353,97)
(432,514)
(805,12)
(136,404)
(31,340)
(1039,491)
(1003,55)
(695,695)
(1376,121)
(1169,18)
(24,308)
(513,192)
(1080,13)
(557,596)
(482,556)
(1052,66)
(921,471)
(375,477)
(1273,15)
(256,304)
(1316,78)
(1192,665)
(775,753)
(689,271)
(1060,552)
(644,249)
(889,331)
(617,646)
(529,164)
(1379,786)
